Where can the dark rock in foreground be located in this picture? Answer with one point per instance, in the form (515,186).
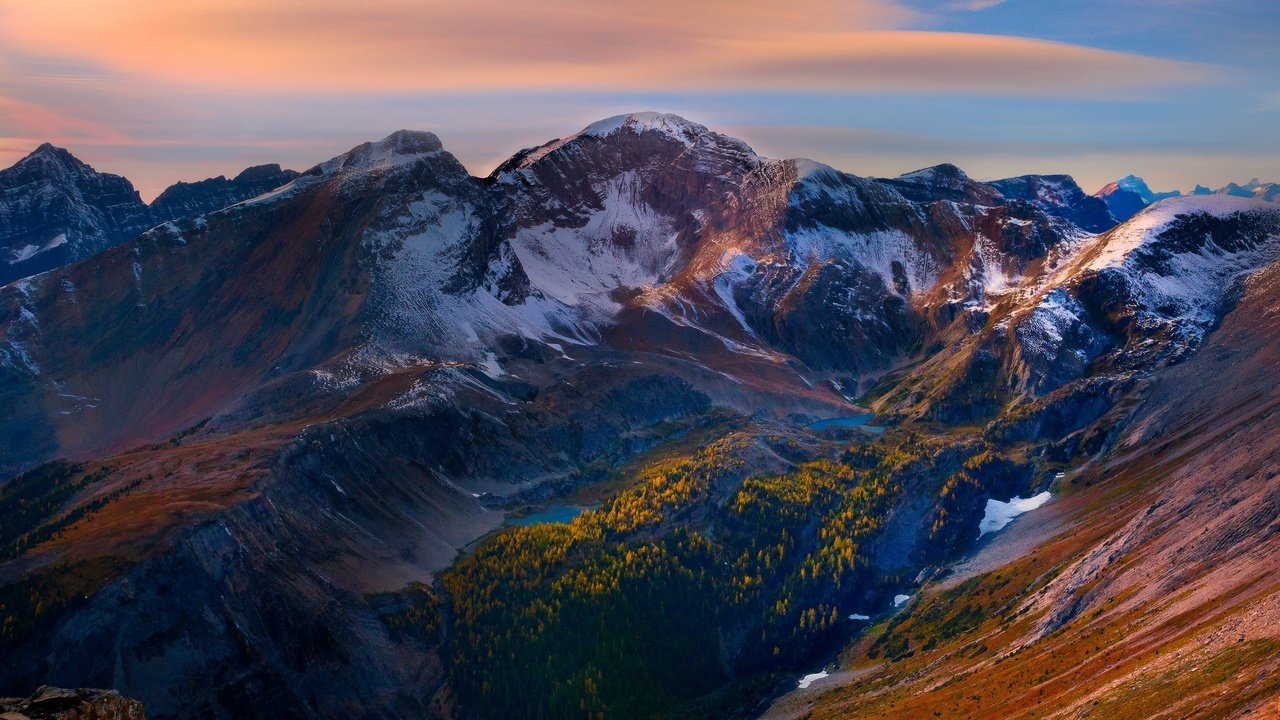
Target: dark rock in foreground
(50,703)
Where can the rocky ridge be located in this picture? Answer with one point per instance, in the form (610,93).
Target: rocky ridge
(55,209)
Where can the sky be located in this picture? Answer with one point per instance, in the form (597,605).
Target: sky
(1178,91)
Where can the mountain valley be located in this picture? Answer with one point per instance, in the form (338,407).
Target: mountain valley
(265,440)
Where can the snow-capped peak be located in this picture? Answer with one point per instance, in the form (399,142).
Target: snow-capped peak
(671,126)
(806,169)
(641,122)
(1137,186)
(398,147)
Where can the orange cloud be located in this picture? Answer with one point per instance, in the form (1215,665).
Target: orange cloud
(469,45)
(941,61)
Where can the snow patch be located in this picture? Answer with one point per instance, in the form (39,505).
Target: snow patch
(1155,219)
(875,252)
(1182,287)
(625,244)
(812,678)
(998,514)
(738,268)
(1048,323)
(490,366)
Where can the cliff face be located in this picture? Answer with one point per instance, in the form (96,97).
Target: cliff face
(56,210)
(50,703)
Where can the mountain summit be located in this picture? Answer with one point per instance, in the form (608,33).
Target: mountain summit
(55,209)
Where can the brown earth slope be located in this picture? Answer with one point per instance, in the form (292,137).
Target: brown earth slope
(1152,591)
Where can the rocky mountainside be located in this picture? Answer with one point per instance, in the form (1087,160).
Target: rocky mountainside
(49,703)
(1060,196)
(233,497)
(54,209)
(1147,589)
(198,198)
(668,237)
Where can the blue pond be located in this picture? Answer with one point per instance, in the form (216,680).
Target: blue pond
(551,514)
(847,422)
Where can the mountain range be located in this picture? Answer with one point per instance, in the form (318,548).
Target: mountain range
(1129,195)
(278,446)
(57,210)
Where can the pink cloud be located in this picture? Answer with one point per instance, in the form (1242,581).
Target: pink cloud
(21,118)
(452,45)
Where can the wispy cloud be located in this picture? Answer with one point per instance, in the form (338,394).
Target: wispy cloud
(21,118)
(974,5)
(452,45)
(161,90)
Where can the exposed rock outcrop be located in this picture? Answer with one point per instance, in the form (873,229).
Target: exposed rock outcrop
(50,703)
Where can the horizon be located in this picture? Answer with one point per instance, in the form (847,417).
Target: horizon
(149,194)
(1176,92)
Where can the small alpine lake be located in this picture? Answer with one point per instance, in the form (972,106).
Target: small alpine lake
(550,514)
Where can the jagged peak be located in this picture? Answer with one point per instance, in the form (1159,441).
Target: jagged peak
(1058,180)
(1138,186)
(255,173)
(51,156)
(648,121)
(400,149)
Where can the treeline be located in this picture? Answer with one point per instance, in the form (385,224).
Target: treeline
(30,503)
(33,510)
